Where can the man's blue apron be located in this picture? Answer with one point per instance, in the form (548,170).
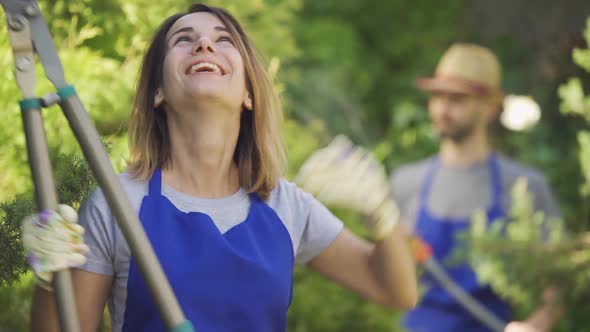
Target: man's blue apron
(237,281)
(437,310)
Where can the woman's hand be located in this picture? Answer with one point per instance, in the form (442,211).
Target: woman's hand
(348,176)
(53,241)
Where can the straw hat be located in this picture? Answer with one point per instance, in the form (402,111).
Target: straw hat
(466,68)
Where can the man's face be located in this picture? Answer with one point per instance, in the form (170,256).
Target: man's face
(456,116)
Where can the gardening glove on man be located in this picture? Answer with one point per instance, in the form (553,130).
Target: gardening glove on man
(345,175)
(53,241)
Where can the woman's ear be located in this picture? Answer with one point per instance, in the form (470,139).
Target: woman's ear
(247,103)
(158,98)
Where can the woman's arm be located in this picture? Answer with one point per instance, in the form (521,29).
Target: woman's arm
(348,176)
(383,272)
(91,292)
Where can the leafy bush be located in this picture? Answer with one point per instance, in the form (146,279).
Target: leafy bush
(523,254)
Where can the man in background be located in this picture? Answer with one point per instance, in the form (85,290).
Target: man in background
(438,196)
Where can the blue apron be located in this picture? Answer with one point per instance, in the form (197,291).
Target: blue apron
(438,311)
(237,281)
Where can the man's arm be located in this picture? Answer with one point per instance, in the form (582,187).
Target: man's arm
(549,313)
(544,318)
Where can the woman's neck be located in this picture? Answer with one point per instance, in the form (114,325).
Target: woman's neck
(202,154)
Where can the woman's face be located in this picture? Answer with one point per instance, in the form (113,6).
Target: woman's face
(202,66)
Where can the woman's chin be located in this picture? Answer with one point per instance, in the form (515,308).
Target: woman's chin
(207,94)
(212,100)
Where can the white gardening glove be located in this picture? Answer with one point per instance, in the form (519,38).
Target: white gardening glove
(345,175)
(53,241)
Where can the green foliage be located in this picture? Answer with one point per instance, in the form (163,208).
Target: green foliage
(74,181)
(15,299)
(575,102)
(582,57)
(341,67)
(359,62)
(521,255)
(320,305)
(504,252)
(105,87)
(11,252)
(584,155)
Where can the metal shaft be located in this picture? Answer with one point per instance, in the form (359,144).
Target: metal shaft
(46,198)
(469,303)
(127,219)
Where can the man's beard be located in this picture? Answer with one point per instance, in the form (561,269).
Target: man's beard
(457,134)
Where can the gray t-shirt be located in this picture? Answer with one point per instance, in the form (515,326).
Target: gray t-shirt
(311,226)
(457,192)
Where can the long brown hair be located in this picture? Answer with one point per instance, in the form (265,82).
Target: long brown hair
(259,153)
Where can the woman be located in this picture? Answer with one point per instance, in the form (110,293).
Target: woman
(205,178)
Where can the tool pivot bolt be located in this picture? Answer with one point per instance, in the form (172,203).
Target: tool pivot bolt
(23,64)
(31,10)
(16,23)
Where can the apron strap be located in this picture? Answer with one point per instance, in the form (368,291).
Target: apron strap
(155,186)
(254,197)
(496,180)
(432,167)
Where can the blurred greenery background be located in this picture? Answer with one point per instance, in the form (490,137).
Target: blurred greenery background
(344,66)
